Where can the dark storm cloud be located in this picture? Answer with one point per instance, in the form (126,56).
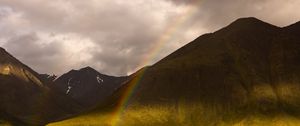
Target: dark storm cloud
(114,36)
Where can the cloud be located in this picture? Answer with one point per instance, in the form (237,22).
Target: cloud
(185,1)
(213,14)
(37,54)
(120,34)
(115,36)
(46,53)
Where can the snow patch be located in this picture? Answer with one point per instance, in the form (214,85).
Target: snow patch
(69,86)
(100,80)
(69,89)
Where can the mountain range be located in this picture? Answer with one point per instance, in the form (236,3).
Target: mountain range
(87,86)
(247,68)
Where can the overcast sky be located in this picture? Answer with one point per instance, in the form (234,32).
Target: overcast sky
(116,37)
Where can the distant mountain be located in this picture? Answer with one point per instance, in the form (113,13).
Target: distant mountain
(48,78)
(247,66)
(87,86)
(24,97)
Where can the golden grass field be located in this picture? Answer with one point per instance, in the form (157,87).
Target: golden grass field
(182,115)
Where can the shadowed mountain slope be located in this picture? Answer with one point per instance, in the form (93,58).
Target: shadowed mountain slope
(25,100)
(293,29)
(244,74)
(87,86)
(249,64)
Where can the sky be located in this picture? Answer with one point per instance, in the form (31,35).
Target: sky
(117,37)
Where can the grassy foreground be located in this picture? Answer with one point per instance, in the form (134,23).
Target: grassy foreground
(4,123)
(181,115)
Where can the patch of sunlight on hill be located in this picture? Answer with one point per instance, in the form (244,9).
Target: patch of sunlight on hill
(266,121)
(181,115)
(4,123)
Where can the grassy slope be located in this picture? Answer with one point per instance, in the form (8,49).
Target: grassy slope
(4,123)
(183,115)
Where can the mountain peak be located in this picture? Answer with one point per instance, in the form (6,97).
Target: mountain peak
(2,51)
(248,19)
(249,22)
(87,68)
(1,48)
(9,65)
(248,25)
(5,56)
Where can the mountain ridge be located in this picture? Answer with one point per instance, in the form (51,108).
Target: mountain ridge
(87,85)
(293,28)
(24,97)
(11,65)
(244,72)
(246,68)
(247,51)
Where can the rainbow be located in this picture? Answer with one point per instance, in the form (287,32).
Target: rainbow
(159,44)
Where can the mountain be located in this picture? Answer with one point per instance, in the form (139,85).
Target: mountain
(87,86)
(236,58)
(25,99)
(11,66)
(293,29)
(48,78)
(246,73)
(248,68)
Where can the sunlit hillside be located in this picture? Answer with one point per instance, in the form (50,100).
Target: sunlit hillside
(181,115)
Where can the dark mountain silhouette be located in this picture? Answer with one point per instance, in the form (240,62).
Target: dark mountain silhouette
(25,99)
(293,29)
(248,66)
(88,86)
